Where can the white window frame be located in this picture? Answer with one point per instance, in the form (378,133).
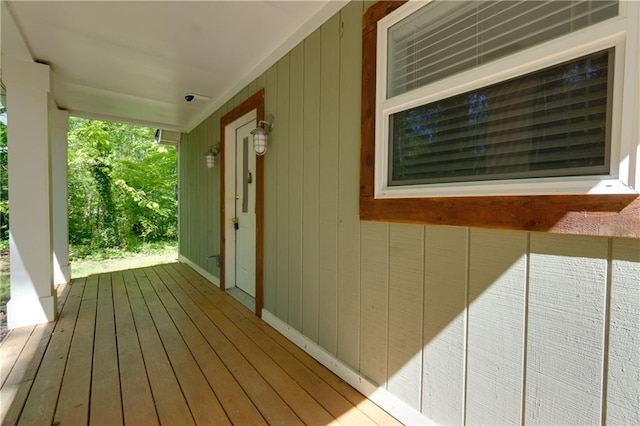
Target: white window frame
(624,176)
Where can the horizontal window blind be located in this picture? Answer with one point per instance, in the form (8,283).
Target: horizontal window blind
(447,37)
(552,122)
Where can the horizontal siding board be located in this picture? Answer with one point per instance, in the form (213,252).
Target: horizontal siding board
(568,279)
(497,278)
(623,380)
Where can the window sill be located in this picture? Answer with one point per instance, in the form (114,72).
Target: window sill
(587,185)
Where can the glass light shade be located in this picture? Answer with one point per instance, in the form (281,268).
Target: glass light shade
(210,160)
(259,141)
(210,156)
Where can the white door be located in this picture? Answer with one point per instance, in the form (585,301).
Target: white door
(245,210)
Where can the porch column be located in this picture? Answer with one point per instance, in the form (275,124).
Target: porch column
(59,125)
(33,298)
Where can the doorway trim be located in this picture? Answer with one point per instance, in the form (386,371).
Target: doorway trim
(255,103)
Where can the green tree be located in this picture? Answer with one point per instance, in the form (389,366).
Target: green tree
(121,185)
(4,185)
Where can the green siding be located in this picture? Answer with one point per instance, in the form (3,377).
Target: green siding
(311,187)
(296,137)
(349,188)
(329,146)
(465,325)
(374,301)
(445,292)
(497,272)
(281,146)
(406,277)
(271,193)
(624,338)
(565,328)
(200,197)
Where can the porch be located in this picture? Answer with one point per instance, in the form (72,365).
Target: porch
(161,345)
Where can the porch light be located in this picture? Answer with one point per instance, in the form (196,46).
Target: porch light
(210,156)
(260,135)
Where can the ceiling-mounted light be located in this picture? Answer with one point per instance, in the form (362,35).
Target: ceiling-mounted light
(210,156)
(260,135)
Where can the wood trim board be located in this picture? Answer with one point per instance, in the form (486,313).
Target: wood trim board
(254,102)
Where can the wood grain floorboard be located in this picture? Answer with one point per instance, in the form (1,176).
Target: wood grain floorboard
(41,403)
(163,346)
(137,400)
(167,394)
(16,388)
(272,407)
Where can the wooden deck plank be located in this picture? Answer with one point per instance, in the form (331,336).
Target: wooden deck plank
(11,348)
(326,396)
(234,401)
(106,404)
(170,403)
(305,407)
(266,399)
(146,338)
(203,403)
(275,371)
(16,388)
(369,408)
(137,401)
(76,384)
(41,403)
(365,405)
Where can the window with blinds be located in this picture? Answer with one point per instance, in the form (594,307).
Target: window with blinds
(478,91)
(552,122)
(448,37)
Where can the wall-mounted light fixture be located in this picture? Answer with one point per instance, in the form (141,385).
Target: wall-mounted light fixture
(260,135)
(210,156)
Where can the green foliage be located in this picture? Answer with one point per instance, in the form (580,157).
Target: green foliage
(121,187)
(4,184)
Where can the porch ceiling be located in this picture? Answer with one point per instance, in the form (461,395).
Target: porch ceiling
(135,60)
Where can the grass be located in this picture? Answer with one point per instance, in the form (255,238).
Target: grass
(117,260)
(86,267)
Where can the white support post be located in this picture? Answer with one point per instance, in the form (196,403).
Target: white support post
(33,298)
(59,125)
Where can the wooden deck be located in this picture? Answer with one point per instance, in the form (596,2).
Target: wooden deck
(161,345)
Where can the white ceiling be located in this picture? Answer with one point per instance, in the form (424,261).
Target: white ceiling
(135,60)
